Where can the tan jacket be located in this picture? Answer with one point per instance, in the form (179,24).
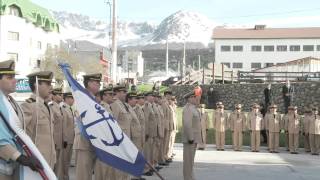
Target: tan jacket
(151,124)
(107,107)
(255,121)
(68,124)
(166,112)
(191,124)
(140,114)
(160,119)
(39,126)
(204,122)
(173,126)
(58,120)
(219,121)
(314,126)
(237,121)
(135,128)
(306,123)
(122,114)
(292,123)
(273,122)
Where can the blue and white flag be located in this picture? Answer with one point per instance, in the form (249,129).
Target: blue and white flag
(111,144)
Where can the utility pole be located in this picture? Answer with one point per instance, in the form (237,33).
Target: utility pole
(114,43)
(183,65)
(167,60)
(199,62)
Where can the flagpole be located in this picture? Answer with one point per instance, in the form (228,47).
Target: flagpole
(154,170)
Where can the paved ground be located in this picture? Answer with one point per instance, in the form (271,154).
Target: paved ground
(229,165)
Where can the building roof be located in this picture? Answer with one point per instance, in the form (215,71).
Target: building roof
(32,13)
(260,32)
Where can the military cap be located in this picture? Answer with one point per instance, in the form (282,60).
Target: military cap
(7,67)
(173,98)
(67,94)
(108,90)
(140,95)
(94,77)
(238,106)
(273,106)
(157,94)
(189,94)
(41,75)
(292,107)
(169,92)
(255,105)
(131,95)
(119,88)
(314,108)
(57,91)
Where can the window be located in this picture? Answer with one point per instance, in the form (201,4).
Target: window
(237,48)
(14,36)
(268,48)
(39,45)
(308,47)
(256,48)
(226,64)
(269,64)
(295,48)
(14,11)
(282,48)
(13,56)
(49,46)
(318,47)
(255,65)
(225,48)
(237,65)
(38,63)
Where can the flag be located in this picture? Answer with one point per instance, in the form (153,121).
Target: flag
(111,144)
(9,115)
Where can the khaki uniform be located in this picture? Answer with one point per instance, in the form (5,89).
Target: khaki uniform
(191,132)
(314,134)
(121,113)
(273,122)
(237,125)
(173,128)
(39,126)
(68,136)
(140,114)
(255,125)
(306,126)
(166,140)
(204,127)
(151,131)
(292,126)
(161,130)
(220,125)
(102,171)
(58,120)
(135,129)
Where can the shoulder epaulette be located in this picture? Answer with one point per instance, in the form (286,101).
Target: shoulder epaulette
(30,100)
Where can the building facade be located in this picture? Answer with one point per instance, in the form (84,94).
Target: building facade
(259,47)
(130,66)
(26,32)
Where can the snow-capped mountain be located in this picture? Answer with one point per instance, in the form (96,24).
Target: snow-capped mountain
(182,26)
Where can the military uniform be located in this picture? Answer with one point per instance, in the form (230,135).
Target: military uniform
(85,155)
(204,126)
(306,125)
(237,125)
(166,112)
(255,125)
(220,123)
(68,135)
(173,128)
(292,126)
(191,136)
(121,113)
(140,114)
(161,131)
(314,133)
(273,126)
(39,120)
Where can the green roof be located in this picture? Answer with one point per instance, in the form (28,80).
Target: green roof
(38,15)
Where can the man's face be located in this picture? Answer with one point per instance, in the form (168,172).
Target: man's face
(132,102)
(168,96)
(93,86)
(140,101)
(273,110)
(108,98)
(150,99)
(57,98)
(69,101)
(8,84)
(121,95)
(44,89)
(238,109)
(255,109)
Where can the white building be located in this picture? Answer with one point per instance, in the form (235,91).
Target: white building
(26,31)
(131,66)
(259,47)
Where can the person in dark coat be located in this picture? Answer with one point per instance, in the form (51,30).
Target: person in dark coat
(287,92)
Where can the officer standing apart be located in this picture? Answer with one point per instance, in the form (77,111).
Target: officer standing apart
(191,134)
(39,116)
(85,155)
(10,155)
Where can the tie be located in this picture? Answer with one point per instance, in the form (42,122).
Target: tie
(238,115)
(45,104)
(71,110)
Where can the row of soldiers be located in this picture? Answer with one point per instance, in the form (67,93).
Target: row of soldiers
(292,124)
(148,119)
(47,120)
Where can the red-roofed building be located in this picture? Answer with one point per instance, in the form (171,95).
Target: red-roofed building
(259,47)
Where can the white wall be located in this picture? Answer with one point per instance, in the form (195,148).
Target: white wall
(247,56)
(26,47)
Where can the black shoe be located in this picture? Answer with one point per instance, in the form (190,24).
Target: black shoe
(201,149)
(164,164)
(142,179)
(158,168)
(315,153)
(168,160)
(149,173)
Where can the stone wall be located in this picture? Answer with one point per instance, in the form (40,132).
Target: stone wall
(246,94)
